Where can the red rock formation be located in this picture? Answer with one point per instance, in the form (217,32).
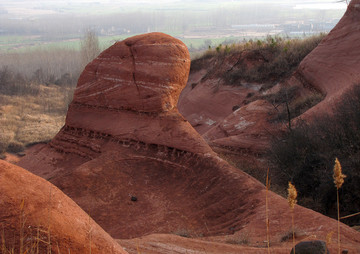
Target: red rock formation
(139,168)
(34,212)
(333,67)
(130,75)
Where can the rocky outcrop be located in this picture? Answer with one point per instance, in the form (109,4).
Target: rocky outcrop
(122,122)
(36,216)
(130,75)
(139,80)
(332,67)
(138,167)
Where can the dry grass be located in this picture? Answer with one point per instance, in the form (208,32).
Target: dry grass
(277,57)
(242,239)
(338,180)
(32,118)
(27,240)
(267,211)
(292,195)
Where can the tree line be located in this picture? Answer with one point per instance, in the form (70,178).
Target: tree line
(20,72)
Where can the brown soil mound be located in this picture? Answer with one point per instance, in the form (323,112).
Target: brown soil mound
(34,214)
(140,170)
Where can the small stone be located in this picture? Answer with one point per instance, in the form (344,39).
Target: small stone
(310,247)
(133,198)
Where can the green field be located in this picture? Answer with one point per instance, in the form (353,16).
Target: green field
(10,44)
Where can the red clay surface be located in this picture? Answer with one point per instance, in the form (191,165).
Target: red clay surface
(31,208)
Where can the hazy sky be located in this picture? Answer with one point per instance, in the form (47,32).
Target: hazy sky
(323,4)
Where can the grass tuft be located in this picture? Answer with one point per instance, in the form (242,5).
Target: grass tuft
(338,180)
(292,195)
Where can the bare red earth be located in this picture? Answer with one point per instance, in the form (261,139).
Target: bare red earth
(130,160)
(33,211)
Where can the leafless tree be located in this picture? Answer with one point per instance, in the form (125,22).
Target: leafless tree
(90,47)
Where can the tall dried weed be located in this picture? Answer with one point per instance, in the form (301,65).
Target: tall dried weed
(338,180)
(292,195)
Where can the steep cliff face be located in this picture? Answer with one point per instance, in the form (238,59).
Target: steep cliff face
(138,167)
(36,215)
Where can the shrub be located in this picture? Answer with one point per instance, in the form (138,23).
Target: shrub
(12,83)
(3,146)
(4,142)
(306,153)
(15,147)
(275,57)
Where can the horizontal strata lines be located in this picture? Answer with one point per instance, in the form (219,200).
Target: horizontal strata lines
(118,61)
(78,105)
(85,87)
(161,160)
(113,87)
(73,137)
(83,91)
(160,63)
(64,146)
(161,45)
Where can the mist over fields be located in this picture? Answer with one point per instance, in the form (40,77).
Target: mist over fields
(198,23)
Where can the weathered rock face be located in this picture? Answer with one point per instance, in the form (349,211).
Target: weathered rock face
(109,153)
(43,211)
(247,128)
(130,75)
(333,67)
(138,79)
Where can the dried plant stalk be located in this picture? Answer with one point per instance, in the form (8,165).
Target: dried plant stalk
(338,180)
(266,212)
(292,195)
(338,175)
(328,240)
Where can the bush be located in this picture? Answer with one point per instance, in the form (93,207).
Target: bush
(12,83)
(3,146)
(280,57)
(266,61)
(305,155)
(15,147)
